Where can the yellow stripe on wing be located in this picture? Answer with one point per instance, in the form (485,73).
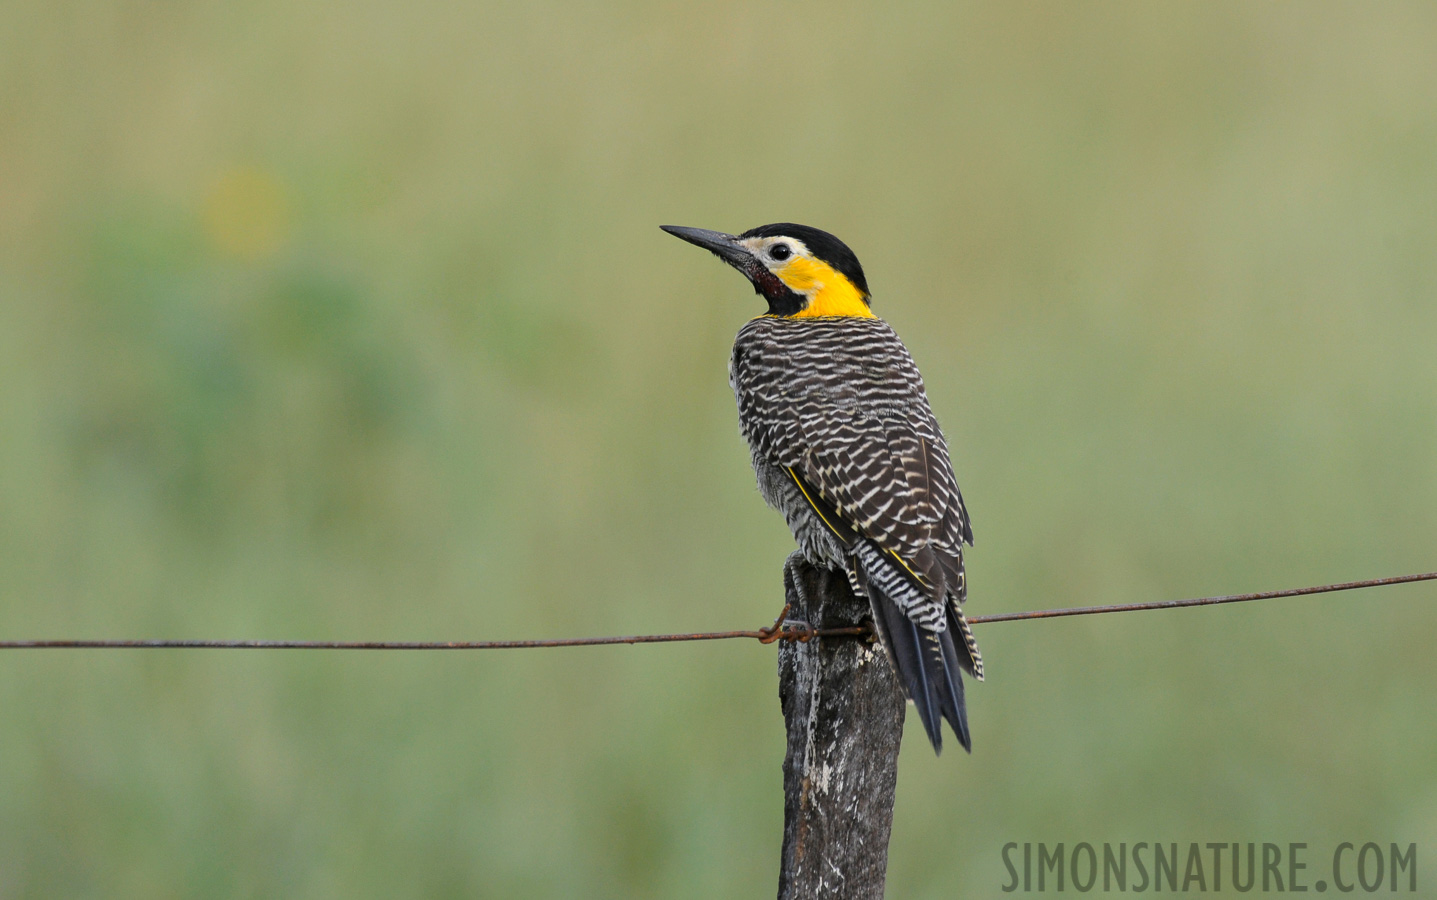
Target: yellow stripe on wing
(906,567)
(817,510)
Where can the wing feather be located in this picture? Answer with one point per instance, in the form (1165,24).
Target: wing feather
(841,406)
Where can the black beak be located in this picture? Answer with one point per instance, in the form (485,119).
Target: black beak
(725,246)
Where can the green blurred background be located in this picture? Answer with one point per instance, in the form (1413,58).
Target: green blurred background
(353,320)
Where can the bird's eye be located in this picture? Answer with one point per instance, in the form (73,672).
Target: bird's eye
(780,252)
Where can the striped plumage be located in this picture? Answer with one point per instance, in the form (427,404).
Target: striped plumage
(835,414)
(846,447)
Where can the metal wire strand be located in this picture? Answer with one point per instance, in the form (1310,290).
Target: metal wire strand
(787,632)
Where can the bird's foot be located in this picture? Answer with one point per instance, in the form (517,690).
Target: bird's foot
(786,629)
(797,630)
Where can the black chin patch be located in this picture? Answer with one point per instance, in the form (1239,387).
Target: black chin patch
(782,300)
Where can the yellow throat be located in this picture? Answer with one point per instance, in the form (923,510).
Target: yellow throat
(829,291)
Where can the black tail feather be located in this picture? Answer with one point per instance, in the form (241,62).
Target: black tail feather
(912,670)
(954,706)
(928,665)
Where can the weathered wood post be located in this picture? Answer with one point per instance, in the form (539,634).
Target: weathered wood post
(844,711)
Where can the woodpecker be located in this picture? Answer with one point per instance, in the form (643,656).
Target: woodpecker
(846,447)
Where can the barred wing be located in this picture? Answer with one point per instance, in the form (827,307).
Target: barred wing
(840,402)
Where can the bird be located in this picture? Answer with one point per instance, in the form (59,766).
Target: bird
(845,445)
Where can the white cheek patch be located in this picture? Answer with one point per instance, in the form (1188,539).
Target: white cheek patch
(758,246)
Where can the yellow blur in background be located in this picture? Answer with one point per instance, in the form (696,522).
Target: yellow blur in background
(353,321)
(245,214)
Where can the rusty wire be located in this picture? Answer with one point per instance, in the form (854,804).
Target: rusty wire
(788,632)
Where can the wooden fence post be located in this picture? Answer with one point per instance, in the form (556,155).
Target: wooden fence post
(844,710)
